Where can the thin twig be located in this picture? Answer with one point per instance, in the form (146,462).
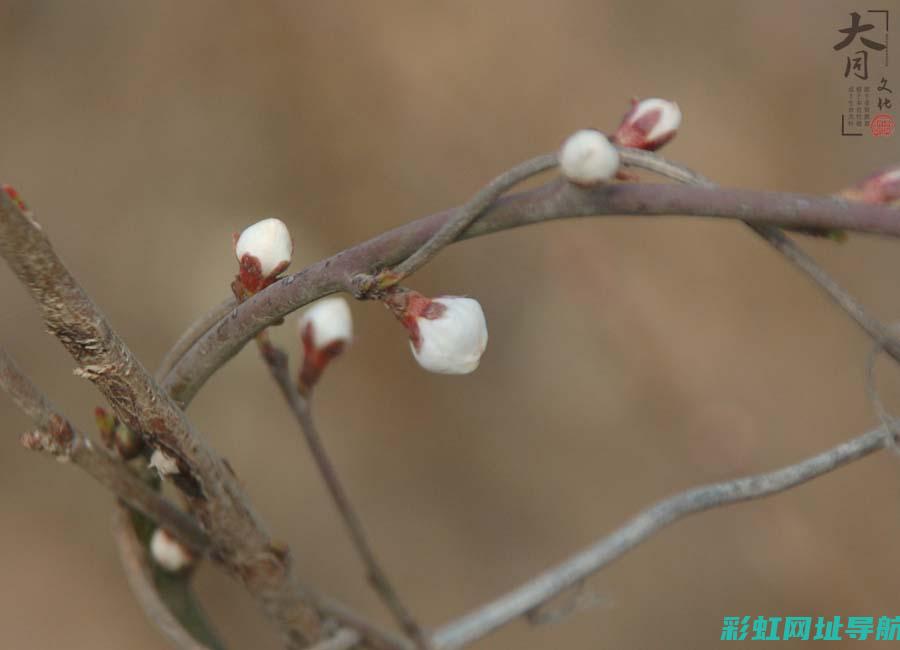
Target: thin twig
(374,636)
(780,242)
(469,212)
(552,582)
(277,362)
(554,200)
(57,436)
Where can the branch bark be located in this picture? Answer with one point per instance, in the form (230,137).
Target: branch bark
(57,436)
(781,243)
(641,527)
(240,542)
(554,200)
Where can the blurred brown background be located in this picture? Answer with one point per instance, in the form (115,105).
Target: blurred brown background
(629,358)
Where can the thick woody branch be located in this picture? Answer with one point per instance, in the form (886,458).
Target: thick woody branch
(553,582)
(554,200)
(57,436)
(238,537)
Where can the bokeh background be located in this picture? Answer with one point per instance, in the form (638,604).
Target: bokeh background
(629,358)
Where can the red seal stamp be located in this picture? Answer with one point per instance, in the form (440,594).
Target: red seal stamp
(882,125)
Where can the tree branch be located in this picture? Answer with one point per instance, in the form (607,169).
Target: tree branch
(554,200)
(57,436)
(781,243)
(192,334)
(239,539)
(277,362)
(552,582)
(472,210)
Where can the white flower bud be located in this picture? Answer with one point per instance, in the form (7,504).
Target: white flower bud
(881,187)
(450,339)
(587,157)
(163,463)
(168,552)
(329,321)
(269,242)
(649,124)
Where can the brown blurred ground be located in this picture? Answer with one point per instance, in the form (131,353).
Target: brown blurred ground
(627,360)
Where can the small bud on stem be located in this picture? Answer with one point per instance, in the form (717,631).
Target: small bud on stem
(588,158)
(170,554)
(882,187)
(649,124)
(116,435)
(163,463)
(447,334)
(15,197)
(263,251)
(326,329)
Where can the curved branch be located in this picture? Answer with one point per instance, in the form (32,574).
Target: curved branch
(468,213)
(554,200)
(554,581)
(193,334)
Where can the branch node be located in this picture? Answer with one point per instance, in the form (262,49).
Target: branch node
(56,440)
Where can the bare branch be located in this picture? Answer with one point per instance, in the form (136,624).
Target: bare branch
(555,200)
(468,213)
(780,242)
(373,635)
(277,362)
(552,582)
(192,334)
(240,540)
(57,436)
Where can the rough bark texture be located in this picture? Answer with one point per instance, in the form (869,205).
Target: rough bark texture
(239,539)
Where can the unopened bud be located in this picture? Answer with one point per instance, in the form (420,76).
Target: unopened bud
(447,335)
(168,552)
(115,434)
(649,124)
(587,157)
(882,187)
(106,424)
(16,198)
(163,463)
(263,250)
(326,329)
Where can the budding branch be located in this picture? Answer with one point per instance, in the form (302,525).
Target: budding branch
(224,517)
